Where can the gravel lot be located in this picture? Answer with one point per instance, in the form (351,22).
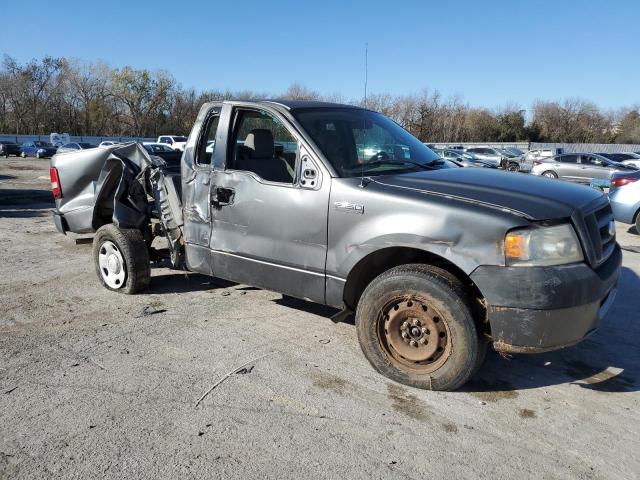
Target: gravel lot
(95,384)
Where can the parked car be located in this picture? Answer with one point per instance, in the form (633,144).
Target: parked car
(497,157)
(619,156)
(176,142)
(624,196)
(464,159)
(73,146)
(633,163)
(38,149)
(578,167)
(163,151)
(434,261)
(9,148)
(108,143)
(630,158)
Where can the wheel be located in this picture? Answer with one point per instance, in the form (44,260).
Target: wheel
(415,326)
(550,174)
(513,167)
(37,154)
(638,222)
(121,259)
(23,155)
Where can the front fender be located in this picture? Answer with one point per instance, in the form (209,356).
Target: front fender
(464,234)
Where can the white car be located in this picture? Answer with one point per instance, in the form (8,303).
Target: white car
(108,143)
(177,142)
(625,158)
(633,163)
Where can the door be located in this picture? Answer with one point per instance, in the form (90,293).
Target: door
(269,209)
(568,168)
(594,167)
(197,167)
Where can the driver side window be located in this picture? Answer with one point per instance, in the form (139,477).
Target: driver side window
(262,144)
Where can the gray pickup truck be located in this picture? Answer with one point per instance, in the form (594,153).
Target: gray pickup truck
(339,205)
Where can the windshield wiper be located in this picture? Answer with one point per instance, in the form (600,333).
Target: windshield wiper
(377,163)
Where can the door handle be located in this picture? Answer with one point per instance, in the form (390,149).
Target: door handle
(222,196)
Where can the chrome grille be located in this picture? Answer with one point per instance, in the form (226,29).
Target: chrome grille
(602,241)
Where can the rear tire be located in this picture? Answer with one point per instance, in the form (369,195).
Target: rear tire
(550,174)
(23,155)
(513,167)
(121,259)
(638,222)
(415,326)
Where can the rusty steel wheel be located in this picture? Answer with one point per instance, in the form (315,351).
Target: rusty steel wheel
(413,335)
(415,325)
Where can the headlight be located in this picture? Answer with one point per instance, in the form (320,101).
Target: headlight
(41,150)
(542,246)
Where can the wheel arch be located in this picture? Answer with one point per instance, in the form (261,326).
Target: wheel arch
(379,261)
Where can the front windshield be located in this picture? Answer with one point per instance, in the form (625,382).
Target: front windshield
(179,139)
(360,142)
(42,144)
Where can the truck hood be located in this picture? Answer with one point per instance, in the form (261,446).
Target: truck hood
(532,197)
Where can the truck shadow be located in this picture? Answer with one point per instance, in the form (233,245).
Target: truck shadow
(182,282)
(608,361)
(25,202)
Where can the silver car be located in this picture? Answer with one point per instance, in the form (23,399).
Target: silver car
(466,159)
(578,167)
(498,157)
(624,197)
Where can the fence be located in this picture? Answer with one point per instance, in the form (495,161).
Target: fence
(73,138)
(567,147)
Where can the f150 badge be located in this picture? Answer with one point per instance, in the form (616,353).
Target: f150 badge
(349,207)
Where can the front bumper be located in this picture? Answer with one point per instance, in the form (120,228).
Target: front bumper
(537,309)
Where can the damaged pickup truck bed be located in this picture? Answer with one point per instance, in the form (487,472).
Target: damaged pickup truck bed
(339,205)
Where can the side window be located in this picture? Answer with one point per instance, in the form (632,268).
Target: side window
(594,161)
(262,144)
(164,140)
(207,144)
(569,159)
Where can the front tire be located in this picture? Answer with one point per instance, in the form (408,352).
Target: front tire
(550,174)
(23,155)
(121,259)
(513,167)
(415,326)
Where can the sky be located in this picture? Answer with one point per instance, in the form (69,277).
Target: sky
(489,53)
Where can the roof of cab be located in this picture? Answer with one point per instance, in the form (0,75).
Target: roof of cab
(298,104)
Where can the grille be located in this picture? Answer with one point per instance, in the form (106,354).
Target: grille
(602,241)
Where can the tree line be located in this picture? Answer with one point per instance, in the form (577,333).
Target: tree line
(94,99)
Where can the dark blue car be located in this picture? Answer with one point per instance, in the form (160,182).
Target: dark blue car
(38,149)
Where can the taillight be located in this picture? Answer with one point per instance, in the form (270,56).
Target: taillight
(536,162)
(56,189)
(619,182)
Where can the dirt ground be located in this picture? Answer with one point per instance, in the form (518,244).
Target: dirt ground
(95,384)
